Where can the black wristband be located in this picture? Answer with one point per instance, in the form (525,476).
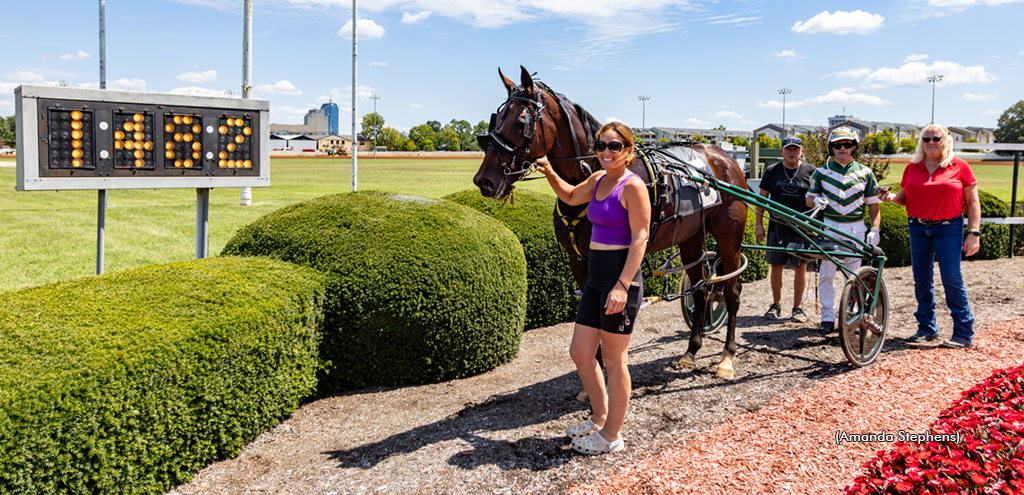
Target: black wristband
(974,232)
(623,285)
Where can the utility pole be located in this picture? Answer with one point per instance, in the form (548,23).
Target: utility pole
(245,198)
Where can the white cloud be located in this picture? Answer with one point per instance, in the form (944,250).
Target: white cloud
(736,21)
(288,115)
(855,73)
(974,97)
(125,84)
(379,64)
(916,74)
(368,30)
(199,77)
(25,76)
(696,123)
(856,22)
(848,89)
(612,119)
(416,105)
(7,89)
(363,93)
(778,104)
(915,57)
(414,18)
(992,112)
(785,53)
(845,98)
(726,114)
(78,56)
(282,87)
(196,91)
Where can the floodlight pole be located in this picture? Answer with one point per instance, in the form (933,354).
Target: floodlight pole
(784,92)
(101,201)
(933,80)
(245,199)
(354,153)
(375,98)
(643,116)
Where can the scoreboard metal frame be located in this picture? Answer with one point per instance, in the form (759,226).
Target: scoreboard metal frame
(87,139)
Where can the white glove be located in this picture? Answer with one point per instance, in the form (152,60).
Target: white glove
(873,237)
(821,201)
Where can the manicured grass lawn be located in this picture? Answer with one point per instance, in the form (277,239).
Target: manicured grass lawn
(993,179)
(47,236)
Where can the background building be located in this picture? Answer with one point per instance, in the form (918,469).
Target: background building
(330,110)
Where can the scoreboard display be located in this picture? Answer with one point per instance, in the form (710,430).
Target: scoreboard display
(70,138)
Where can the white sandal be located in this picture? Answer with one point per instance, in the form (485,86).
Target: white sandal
(582,430)
(596,445)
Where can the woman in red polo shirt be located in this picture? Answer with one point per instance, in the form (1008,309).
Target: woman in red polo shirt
(937,188)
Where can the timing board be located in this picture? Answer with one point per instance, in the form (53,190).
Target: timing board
(88,139)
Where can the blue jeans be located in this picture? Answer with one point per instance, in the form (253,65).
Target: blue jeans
(943,243)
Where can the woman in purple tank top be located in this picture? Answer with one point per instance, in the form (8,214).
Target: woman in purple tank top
(621,213)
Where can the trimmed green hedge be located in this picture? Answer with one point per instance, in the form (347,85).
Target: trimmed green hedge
(548,277)
(757,267)
(130,382)
(419,290)
(895,241)
(995,239)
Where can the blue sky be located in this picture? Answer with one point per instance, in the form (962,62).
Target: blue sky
(703,63)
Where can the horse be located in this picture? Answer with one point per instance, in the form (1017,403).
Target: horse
(535,121)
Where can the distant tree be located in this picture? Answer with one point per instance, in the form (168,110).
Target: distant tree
(1010,126)
(699,139)
(740,141)
(768,143)
(389,137)
(7,130)
(719,128)
(467,140)
(448,139)
(816,146)
(435,125)
(879,143)
(372,124)
(908,145)
(663,140)
(424,137)
(481,128)
(405,144)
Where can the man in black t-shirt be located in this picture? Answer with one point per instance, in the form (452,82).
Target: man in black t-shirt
(785,182)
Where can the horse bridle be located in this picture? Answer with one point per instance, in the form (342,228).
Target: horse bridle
(493,140)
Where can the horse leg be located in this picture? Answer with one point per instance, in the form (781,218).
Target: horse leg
(690,250)
(728,229)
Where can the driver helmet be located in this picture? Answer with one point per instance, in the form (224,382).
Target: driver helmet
(844,132)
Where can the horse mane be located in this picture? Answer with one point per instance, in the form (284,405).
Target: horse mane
(590,124)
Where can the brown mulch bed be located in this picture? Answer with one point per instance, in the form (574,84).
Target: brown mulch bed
(772,428)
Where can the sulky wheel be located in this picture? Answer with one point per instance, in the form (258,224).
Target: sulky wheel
(716,308)
(861,331)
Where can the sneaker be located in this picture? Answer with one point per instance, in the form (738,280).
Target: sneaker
(774,312)
(922,337)
(798,314)
(827,327)
(956,344)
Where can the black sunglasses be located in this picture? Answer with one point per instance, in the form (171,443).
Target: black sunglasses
(613,146)
(927,140)
(846,145)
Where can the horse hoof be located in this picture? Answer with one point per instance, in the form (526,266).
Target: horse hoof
(686,362)
(726,373)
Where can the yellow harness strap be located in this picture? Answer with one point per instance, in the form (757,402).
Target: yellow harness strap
(571,224)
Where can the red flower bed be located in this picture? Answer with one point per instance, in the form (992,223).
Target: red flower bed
(984,454)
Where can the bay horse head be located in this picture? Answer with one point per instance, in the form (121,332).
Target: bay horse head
(512,143)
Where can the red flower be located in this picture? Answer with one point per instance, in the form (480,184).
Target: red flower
(978,478)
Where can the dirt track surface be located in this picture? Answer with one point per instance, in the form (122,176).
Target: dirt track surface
(503,431)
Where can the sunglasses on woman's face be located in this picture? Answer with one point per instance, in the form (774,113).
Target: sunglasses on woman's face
(935,139)
(844,145)
(613,146)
